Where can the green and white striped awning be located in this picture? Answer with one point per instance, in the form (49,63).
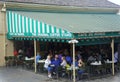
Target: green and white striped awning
(81,25)
(26,27)
(54,26)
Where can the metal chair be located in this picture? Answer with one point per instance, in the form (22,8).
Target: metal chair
(7,63)
(86,73)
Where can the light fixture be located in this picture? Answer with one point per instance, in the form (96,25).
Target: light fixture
(73,41)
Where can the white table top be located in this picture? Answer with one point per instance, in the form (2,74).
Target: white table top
(26,58)
(109,62)
(96,63)
(41,61)
(52,65)
(71,68)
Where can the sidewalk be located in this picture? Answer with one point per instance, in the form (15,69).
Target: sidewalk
(12,74)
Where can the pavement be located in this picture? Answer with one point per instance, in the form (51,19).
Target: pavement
(13,74)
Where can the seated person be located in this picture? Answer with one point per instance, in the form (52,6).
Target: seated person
(81,66)
(47,66)
(55,62)
(63,66)
(116,57)
(68,65)
(68,59)
(91,59)
(98,57)
(63,63)
(20,53)
(38,57)
(15,53)
(116,61)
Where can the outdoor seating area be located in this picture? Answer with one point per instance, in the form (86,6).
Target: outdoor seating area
(56,59)
(11,61)
(61,65)
(90,71)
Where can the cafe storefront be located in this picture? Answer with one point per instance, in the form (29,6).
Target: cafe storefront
(55,26)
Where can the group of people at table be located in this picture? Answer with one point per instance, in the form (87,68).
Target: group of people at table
(51,64)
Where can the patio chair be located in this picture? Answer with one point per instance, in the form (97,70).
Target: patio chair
(11,60)
(40,67)
(84,74)
(15,61)
(107,67)
(7,63)
(69,73)
(118,66)
(29,64)
(59,72)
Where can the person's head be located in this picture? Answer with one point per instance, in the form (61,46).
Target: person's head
(49,57)
(56,56)
(63,58)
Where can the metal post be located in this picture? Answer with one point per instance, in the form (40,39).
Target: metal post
(35,55)
(73,42)
(74,79)
(112,45)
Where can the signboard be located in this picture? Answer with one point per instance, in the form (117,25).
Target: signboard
(97,35)
(45,35)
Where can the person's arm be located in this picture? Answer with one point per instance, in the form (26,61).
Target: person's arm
(63,63)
